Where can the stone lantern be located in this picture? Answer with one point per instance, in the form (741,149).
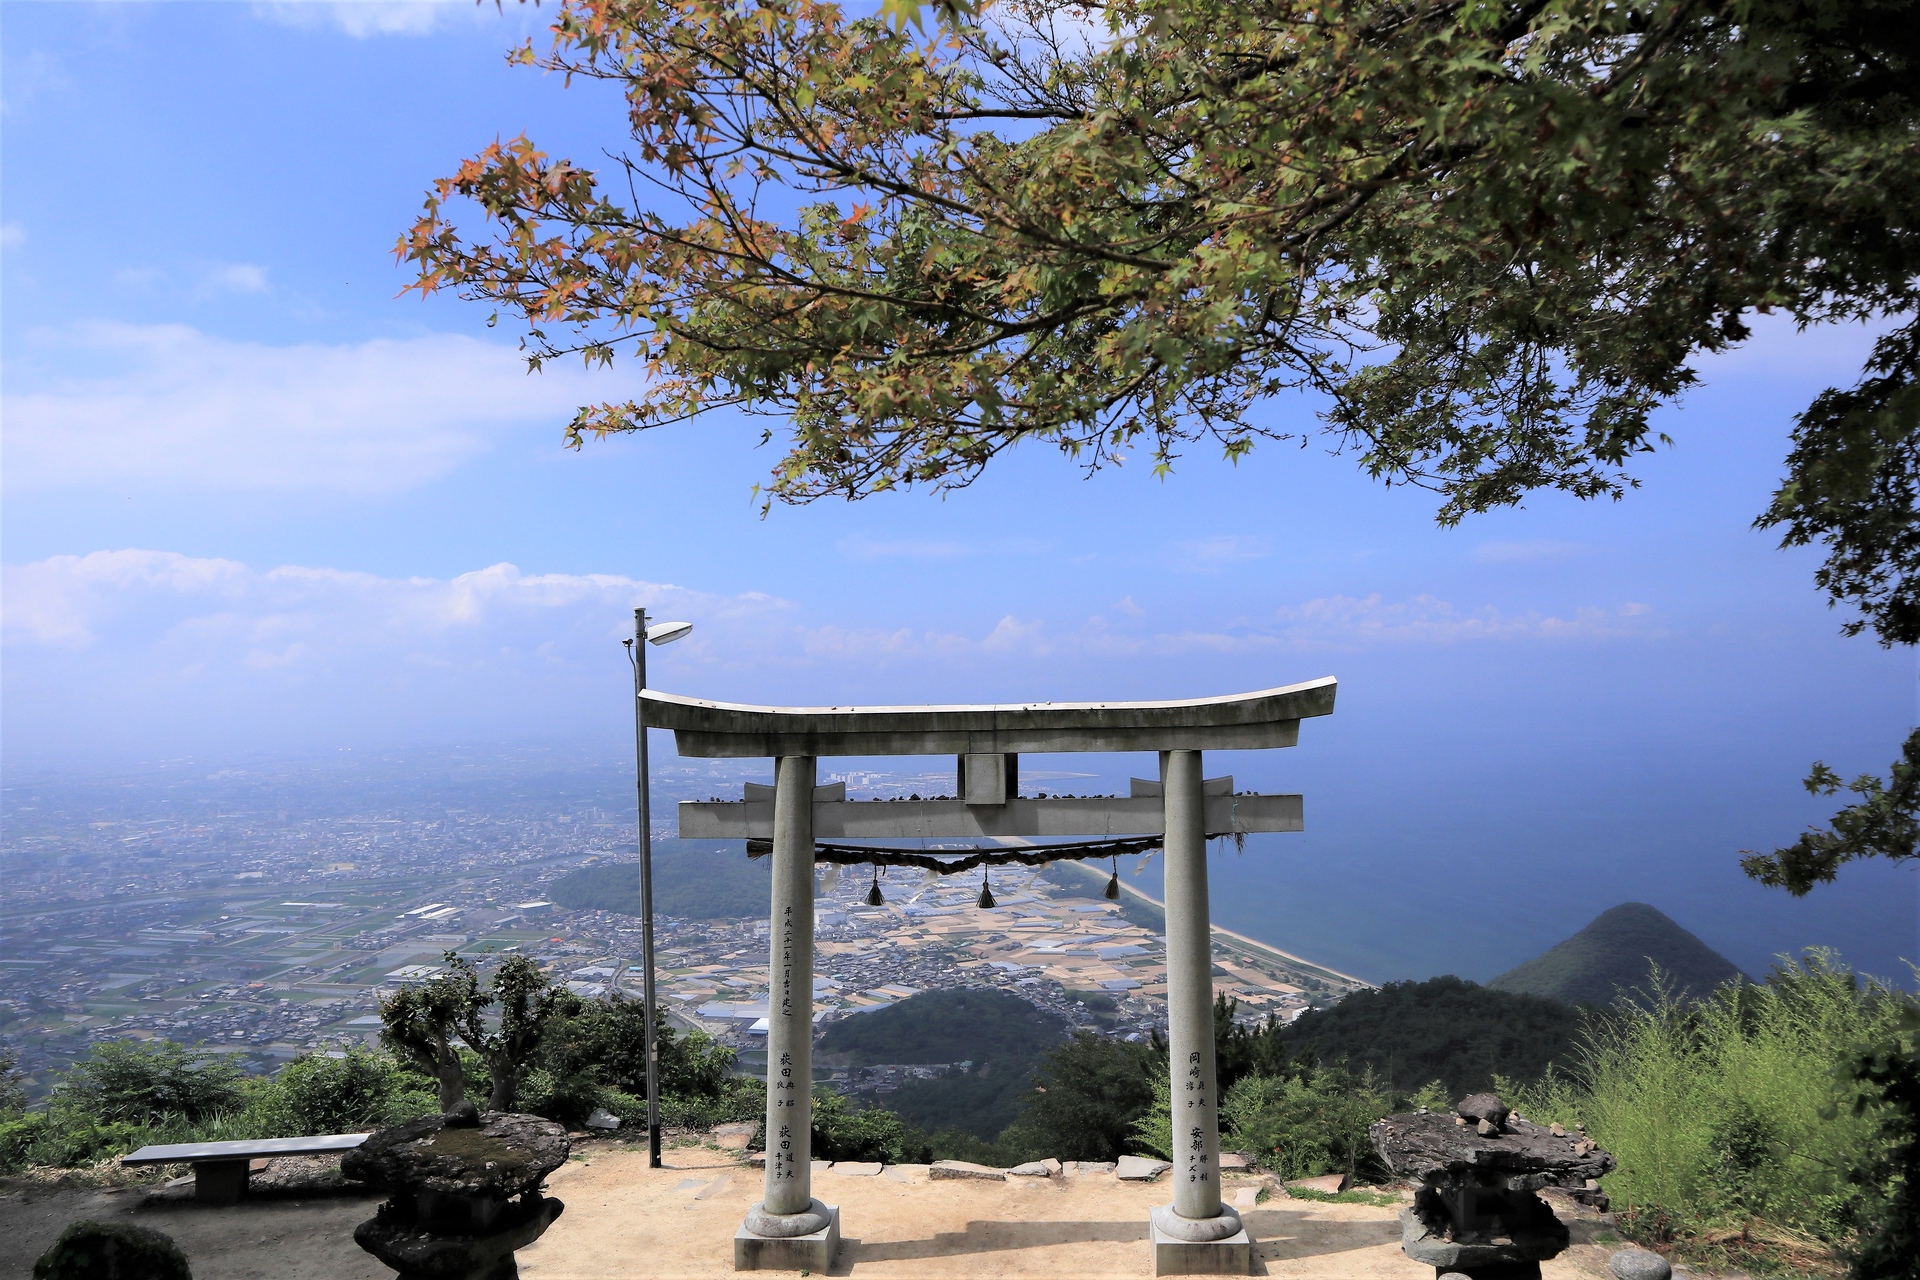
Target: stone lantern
(464,1192)
(1475,1216)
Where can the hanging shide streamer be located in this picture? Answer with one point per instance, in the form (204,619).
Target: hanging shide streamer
(951,862)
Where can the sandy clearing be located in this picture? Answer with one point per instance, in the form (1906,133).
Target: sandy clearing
(623,1219)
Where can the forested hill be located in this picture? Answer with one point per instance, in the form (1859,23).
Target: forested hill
(1445,1029)
(693,880)
(975,1025)
(1615,955)
(1001,1034)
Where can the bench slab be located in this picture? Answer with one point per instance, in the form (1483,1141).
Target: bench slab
(252,1148)
(220,1169)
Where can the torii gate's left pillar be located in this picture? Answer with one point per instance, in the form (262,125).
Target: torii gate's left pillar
(789,1230)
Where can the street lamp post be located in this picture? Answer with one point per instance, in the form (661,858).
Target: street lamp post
(661,633)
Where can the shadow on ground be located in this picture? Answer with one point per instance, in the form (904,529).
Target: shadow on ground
(269,1237)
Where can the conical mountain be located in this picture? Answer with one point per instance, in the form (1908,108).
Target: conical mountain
(1616,954)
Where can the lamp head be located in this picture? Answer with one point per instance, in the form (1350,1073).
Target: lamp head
(667,632)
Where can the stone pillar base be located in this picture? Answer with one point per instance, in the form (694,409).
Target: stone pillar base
(813,1252)
(1232,1256)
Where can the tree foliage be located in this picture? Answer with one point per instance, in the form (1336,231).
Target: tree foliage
(356,1091)
(1089,1092)
(1884,823)
(422,1023)
(1888,1073)
(419,1025)
(594,1053)
(89,1250)
(1446,1029)
(1490,235)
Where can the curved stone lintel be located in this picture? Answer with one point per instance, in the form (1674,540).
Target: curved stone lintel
(780,1226)
(1266,718)
(1196,1230)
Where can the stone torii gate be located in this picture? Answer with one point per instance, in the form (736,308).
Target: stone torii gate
(790,1229)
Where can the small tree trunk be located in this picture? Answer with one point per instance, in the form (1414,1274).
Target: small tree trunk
(504,1080)
(453,1081)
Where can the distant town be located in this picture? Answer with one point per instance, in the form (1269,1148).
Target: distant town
(230,908)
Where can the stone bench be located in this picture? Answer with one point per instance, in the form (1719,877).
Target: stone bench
(220,1169)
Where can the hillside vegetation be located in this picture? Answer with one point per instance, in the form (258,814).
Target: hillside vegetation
(1002,1035)
(948,1026)
(1753,1128)
(1447,1029)
(691,880)
(1615,955)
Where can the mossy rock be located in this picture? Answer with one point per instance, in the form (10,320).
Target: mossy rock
(89,1250)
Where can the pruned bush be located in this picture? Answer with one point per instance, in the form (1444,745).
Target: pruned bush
(89,1250)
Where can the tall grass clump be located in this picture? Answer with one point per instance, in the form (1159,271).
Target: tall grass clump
(1738,1133)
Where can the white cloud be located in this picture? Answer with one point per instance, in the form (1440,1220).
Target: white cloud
(12,235)
(113,648)
(1224,549)
(1327,624)
(862,548)
(237,277)
(224,612)
(1345,621)
(364,19)
(180,410)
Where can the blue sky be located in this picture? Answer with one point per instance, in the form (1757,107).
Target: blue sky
(256,502)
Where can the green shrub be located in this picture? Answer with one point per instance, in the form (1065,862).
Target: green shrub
(593,1049)
(321,1094)
(1307,1124)
(844,1132)
(140,1082)
(739,1098)
(1889,1070)
(13,1084)
(112,1251)
(1089,1092)
(1733,1112)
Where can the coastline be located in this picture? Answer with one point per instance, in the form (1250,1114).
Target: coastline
(1253,944)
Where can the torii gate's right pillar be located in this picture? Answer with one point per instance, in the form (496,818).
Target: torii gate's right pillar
(1196,1234)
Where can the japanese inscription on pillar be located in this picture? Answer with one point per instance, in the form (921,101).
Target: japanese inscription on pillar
(780,1162)
(786,963)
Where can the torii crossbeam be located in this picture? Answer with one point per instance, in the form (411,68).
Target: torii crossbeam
(789,1229)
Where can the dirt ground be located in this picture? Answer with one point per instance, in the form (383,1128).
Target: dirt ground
(289,1235)
(623,1219)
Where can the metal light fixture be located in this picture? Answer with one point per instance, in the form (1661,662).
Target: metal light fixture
(667,632)
(659,633)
